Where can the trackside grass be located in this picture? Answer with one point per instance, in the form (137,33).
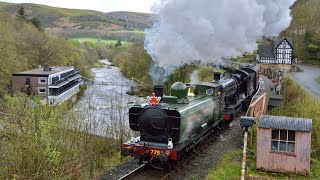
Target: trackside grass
(229,167)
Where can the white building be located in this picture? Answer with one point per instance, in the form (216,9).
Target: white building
(52,85)
(278,52)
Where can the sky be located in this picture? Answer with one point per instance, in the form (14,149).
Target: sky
(99,5)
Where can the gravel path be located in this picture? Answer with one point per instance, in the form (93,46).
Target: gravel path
(307,79)
(199,167)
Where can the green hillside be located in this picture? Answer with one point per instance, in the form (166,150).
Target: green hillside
(77,23)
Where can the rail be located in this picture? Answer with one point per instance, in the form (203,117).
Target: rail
(133,172)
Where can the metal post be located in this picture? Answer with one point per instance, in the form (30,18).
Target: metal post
(251,138)
(244,154)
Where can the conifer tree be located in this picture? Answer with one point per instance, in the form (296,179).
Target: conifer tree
(21,14)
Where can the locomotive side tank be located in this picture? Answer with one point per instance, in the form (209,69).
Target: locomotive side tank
(195,117)
(178,116)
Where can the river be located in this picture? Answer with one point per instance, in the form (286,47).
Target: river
(104,108)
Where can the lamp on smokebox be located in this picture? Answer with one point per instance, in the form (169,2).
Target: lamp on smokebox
(153,99)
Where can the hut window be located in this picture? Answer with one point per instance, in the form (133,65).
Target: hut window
(283,140)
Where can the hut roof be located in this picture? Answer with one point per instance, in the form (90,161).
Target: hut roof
(287,123)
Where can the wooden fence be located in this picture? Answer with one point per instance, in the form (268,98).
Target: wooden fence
(258,107)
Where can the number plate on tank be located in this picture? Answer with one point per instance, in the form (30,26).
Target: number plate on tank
(155,152)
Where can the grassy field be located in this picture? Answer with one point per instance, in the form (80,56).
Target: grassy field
(94,40)
(124,35)
(129,31)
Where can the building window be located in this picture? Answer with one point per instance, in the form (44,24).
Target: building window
(42,80)
(42,90)
(283,141)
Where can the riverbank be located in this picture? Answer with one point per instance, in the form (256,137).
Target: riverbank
(106,105)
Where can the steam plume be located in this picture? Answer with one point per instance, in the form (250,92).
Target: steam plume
(210,30)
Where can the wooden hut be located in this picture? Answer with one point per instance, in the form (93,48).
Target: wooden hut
(284,144)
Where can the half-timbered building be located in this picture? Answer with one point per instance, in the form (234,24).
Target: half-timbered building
(278,52)
(275,56)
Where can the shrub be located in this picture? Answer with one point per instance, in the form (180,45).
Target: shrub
(44,142)
(318,79)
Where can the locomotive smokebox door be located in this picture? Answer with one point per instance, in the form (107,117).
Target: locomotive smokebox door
(246,121)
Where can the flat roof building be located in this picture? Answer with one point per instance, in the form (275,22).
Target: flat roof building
(52,85)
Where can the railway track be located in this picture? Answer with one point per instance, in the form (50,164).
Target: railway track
(191,162)
(196,166)
(144,171)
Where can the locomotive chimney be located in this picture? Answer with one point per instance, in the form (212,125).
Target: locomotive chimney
(158,89)
(46,67)
(216,76)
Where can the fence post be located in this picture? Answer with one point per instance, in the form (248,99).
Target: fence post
(246,123)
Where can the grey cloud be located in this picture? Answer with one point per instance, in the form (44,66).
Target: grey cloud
(209,30)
